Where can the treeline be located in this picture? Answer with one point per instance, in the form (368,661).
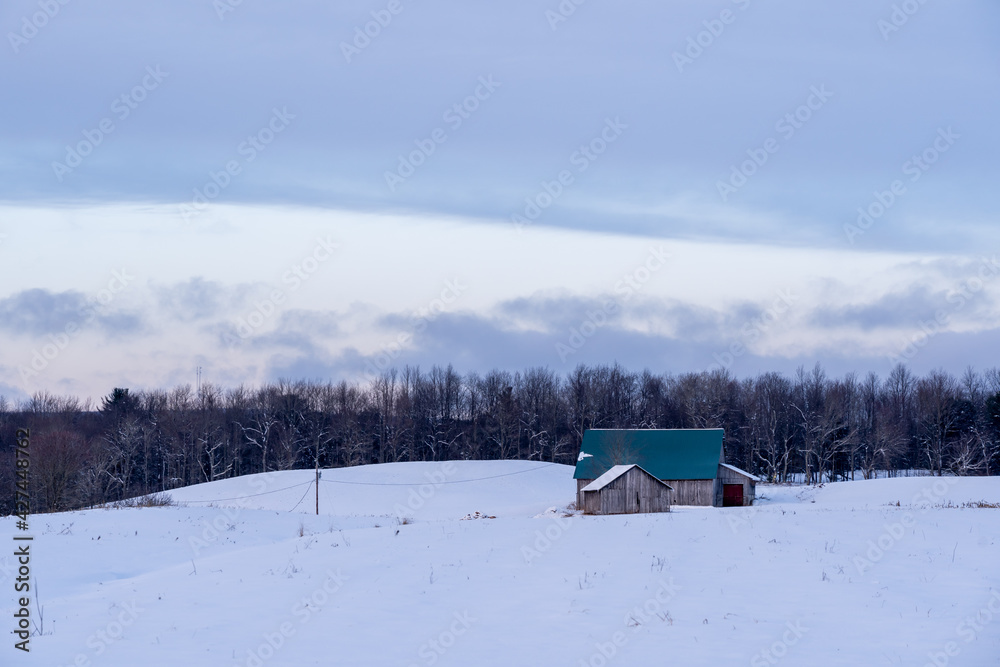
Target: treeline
(811,425)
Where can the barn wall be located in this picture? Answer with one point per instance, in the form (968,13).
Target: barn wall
(694,491)
(707,492)
(621,496)
(580,483)
(727,476)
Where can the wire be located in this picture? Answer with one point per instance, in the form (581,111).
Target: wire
(253,495)
(301,499)
(455,481)
(338,481)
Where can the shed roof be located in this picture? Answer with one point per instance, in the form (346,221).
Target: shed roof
(740,471)
(614,473)
(664,453)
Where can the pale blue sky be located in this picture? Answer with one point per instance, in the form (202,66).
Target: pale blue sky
(308,134)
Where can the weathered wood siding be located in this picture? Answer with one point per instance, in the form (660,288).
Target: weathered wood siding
(686,492)
(706,492)
(580,483)
(634,492)
(727,476)
(695,491)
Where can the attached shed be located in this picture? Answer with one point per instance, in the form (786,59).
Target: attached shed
(690,461)
(626,489)
(738,487)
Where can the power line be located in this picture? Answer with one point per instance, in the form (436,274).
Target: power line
(301,499)
(455,481)
(338,481)
(252,495)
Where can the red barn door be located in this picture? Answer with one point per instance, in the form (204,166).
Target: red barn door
(732,495)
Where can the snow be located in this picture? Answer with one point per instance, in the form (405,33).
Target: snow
(740,471)
(391,574)
(613,473)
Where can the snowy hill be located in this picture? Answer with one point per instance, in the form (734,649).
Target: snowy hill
(423,491)
(390,573)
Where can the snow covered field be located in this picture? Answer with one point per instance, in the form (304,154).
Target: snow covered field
(391,574)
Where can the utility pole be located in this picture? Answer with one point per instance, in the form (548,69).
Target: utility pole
(317,476)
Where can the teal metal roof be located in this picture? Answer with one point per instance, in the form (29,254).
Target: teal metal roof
(664,453)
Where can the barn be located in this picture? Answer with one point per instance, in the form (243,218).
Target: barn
(690,461)
(625,489)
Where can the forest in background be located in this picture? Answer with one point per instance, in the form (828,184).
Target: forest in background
(809,426)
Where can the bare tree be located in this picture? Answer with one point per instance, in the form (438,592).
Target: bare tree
(769,424)
(58,460)
(936,396)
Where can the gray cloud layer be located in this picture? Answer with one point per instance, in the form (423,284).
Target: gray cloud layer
(352,120)
(37,312)
(554,331)
(624,118)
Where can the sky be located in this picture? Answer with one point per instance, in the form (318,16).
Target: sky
(327,190)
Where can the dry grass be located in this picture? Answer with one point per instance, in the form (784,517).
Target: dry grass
(152,500)
(969,504)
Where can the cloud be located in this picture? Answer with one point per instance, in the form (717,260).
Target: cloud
(298,330)
(547,330)
(477,344)
(896,309)
(11,393)
(557,331)
(197,299)
(558,86)
(37,311)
